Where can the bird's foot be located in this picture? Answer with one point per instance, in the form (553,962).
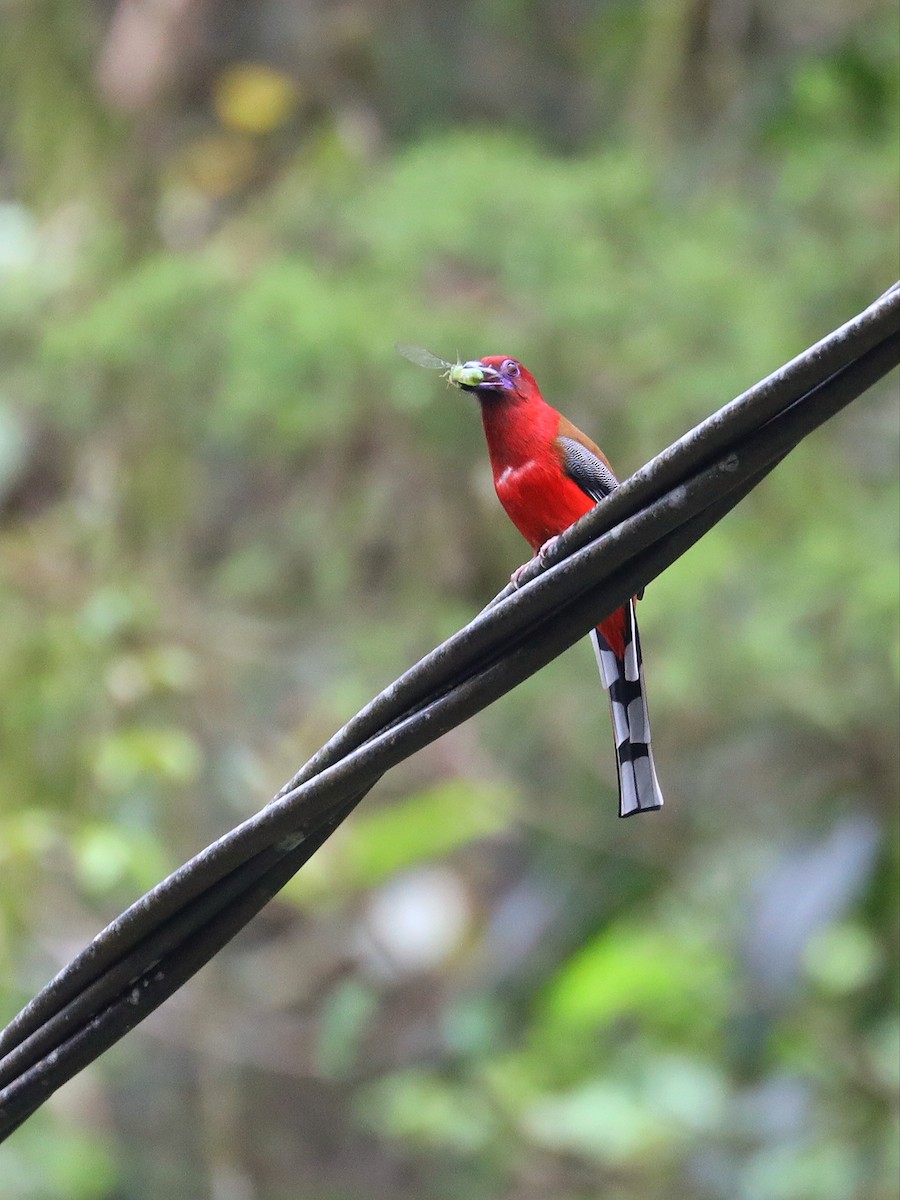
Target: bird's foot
(547,548)
(516,578)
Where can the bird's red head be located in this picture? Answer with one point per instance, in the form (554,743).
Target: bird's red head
(495,377)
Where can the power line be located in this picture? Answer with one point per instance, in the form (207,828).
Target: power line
(158,943)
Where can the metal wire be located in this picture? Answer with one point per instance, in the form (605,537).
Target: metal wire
(157,944)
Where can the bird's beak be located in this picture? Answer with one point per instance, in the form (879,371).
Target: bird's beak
(474,375)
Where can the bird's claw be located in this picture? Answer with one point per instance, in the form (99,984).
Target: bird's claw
(547,548)
(516,578)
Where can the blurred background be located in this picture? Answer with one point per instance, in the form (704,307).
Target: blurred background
(229,514)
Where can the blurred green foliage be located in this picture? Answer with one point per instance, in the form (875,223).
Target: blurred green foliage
(229,513)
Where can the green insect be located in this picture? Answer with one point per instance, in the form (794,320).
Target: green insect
(459,373)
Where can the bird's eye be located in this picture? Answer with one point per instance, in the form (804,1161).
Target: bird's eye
(510,368)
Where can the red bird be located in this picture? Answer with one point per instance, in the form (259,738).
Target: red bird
(547,474)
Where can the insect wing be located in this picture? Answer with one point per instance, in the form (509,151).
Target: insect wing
(422,358)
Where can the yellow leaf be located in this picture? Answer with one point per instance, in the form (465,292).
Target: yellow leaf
(254,98)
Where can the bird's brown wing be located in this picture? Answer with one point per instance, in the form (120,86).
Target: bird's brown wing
(586,466)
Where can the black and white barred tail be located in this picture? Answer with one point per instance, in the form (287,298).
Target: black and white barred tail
(624,680)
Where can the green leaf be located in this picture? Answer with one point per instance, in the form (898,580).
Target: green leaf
(375,845)
(636,970)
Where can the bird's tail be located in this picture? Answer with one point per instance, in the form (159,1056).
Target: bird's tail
(623,678)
